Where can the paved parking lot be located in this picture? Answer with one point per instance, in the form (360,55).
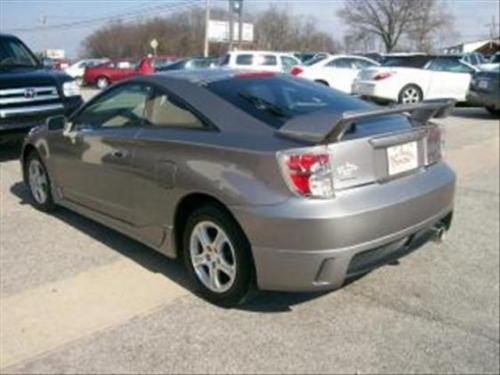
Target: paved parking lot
(78,297)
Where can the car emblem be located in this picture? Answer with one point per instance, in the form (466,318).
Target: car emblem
(29,93)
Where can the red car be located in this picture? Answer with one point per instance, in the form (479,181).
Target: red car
(105,74)
(110,72)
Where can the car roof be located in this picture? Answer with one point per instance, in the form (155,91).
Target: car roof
(208,75)
(249,52)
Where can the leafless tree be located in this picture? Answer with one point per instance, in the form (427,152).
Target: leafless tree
(393,20)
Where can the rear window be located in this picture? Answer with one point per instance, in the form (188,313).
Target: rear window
(315,60)
(244,60)
(406,61)
(278,98)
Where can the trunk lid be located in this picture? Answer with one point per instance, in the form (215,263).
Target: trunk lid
(374,145)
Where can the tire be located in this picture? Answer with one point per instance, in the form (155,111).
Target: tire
(410,94)
(321,82)
(493,111)
(102,83)
(38,183)
(232,253)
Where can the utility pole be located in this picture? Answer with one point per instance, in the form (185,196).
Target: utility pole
(206,46)
(238,8)
(231,24)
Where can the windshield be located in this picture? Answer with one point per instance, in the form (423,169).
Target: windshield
(496,58)
(276,99)
(14,54)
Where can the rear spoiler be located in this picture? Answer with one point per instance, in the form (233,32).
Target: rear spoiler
(320,126)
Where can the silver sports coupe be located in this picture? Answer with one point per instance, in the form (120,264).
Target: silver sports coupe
(252,179)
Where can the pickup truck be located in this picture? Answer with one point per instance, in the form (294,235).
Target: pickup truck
(29,93)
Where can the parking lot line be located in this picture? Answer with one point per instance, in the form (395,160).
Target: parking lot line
(41,319)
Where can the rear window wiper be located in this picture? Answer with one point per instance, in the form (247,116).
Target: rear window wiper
(264,105)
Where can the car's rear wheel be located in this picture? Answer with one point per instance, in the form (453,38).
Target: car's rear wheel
(217,256)
(410,94)
(102,83)
(320,81)
(38,182)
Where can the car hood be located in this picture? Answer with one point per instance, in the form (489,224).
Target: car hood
(13,78)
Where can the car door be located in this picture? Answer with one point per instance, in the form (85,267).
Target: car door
(163,152)
(450,78)
(92,161)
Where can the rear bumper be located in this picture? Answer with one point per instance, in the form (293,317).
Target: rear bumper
(375,90)
(23,122)
(484,99)
(305,245)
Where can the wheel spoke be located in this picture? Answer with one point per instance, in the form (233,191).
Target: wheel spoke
(199,260)
(219,241)
(213,279)
(203,236)
(226,268)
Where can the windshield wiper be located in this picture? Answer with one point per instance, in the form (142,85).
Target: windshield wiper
(264,105)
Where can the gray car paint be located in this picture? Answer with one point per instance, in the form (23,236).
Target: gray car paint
(133,180)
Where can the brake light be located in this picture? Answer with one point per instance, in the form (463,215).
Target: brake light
(308,173)
(384,75)
(296,70)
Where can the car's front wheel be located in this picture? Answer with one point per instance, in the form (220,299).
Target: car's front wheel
(410,94)
(102,83)
(38,182)
(217,256)
(493,111)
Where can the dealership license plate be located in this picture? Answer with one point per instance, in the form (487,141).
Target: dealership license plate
(483,84)
(402,158)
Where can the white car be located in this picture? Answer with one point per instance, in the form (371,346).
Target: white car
(415,79)
(77,70)
(259,61)
(337,71)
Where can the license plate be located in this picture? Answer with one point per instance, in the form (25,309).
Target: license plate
(402,158)
(483,84)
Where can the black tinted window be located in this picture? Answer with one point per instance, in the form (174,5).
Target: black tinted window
(13,52)
(406,61)
(122,107)
(244,60)
(340,63)
(276,99)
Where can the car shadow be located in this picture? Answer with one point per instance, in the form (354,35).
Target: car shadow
(261,301)
(476,113)
(10,151)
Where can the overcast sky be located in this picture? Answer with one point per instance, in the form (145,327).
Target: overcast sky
(472,16)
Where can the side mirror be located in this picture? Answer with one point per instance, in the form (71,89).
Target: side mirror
(55,123)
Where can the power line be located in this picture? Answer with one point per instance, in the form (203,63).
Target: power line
(157,9)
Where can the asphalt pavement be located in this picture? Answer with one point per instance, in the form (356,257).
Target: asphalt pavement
(77,297)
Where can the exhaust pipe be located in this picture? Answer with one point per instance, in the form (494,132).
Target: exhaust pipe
(439,232)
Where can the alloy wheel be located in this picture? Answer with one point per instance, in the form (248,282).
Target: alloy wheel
(411,96)
(212,256)
(38,181)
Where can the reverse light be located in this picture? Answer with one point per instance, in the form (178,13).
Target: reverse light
(71,88)
(384,75)
(435,145)
(296,70)
(308,172)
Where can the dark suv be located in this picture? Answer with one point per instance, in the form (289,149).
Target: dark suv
(28,92)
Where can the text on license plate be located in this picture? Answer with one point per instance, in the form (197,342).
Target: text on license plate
(402,158)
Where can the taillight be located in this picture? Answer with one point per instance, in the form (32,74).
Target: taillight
(435,144)
(296,70)
(308,172)
(381,76)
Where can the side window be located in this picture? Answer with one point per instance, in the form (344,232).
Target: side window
(167,112)
(244,60)
(122,107)
(340,63)
(268,60)
(362,64)
(288,62)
